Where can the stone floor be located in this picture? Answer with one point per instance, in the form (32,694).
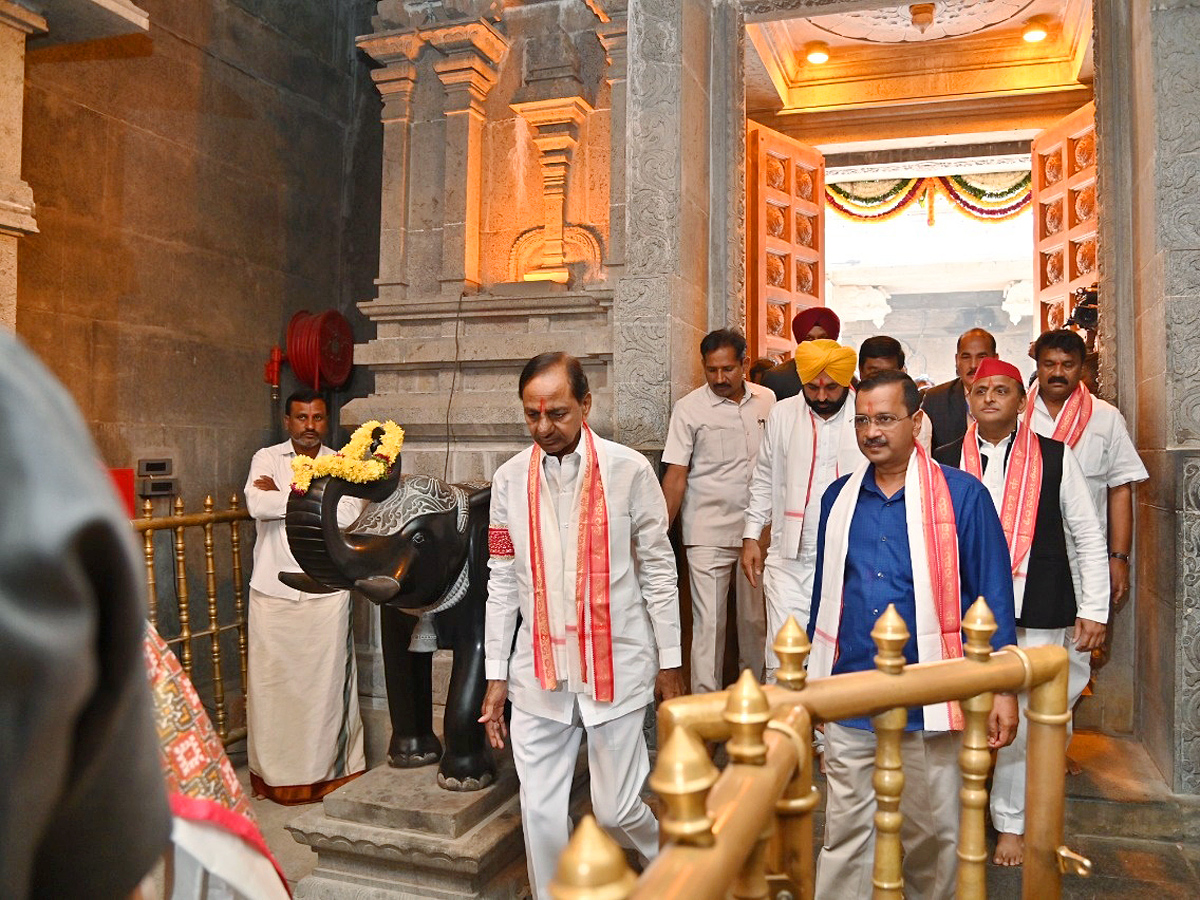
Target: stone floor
(1143,841)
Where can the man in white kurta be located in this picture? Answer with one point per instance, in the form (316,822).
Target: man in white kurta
(304,736)
(709,456)
(807,444)
(582,575)
(1059,562)
(1061,407)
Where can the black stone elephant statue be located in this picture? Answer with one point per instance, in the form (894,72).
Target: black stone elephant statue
(420,551)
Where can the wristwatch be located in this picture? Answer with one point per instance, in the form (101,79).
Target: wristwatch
(1113,554)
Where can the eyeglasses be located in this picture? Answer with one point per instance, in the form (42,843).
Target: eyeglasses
(883,421)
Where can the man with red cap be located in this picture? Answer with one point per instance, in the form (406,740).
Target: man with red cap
(1056,545)
(812,324)
(807,443)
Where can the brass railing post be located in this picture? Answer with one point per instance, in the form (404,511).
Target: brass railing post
(682,775)
(890,635)
(793,840)
(148,553)
(791,846)
(214,623)
(1045,783)
(181,591)
(592,867)
(239,596)
(747,713)
(974,760)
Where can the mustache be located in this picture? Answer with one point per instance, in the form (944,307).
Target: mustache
(876,442)
(1056,379)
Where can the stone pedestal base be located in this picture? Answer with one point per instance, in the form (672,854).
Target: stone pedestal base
(393,834)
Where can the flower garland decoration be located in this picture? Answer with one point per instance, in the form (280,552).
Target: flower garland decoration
(355,462)
(990,196)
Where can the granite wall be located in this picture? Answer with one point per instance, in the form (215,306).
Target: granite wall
(1166,228)
(195,186)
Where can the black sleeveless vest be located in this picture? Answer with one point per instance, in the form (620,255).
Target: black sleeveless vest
(1049,591)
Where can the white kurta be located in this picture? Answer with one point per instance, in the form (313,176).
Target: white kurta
(792,556)
(643,596)
(1087,552)
(302,711)
(547,725)
(1105,451)
(1087,556)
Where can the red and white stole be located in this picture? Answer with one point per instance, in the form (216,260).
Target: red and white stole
(1022,488)
(933,548)
(593,623)
(1073,418)
(801,468)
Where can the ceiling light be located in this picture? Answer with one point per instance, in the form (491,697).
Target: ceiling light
(1036,30)
(817,52)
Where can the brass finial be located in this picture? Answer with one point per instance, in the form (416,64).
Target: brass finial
(979,625)
(890,634)
(747,713)
(682,776)
(208,503)
(234,503)
(592,867)
(178,506)
(147,508)
(792,647)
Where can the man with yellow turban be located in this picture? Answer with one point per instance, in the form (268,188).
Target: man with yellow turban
(807,443)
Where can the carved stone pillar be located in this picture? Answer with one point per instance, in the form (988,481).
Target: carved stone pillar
(467,73)
(16,198)
(395,83)
(614,36)
(555,125)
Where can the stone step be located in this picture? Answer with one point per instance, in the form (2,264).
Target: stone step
(1121,793)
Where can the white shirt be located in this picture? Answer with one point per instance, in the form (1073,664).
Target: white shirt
(837,454)
(717,439)
(643,592)
(1087,549)
(271,552)
(1105,451)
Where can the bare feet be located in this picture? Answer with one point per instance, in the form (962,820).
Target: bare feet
(1010,849)
(1073,767)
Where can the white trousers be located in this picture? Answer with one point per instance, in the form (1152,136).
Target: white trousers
(1008,783)
(929,805)
(710,570)
(545,752)
(788,588)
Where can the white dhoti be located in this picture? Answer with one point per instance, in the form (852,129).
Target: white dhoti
(929,805)
(788,590)
(1008,783)
(302,716)
(710,571)
(545,751)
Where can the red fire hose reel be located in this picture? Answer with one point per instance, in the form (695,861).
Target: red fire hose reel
(320,350)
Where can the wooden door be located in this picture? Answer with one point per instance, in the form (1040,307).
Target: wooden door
(1066,213)
(785,241)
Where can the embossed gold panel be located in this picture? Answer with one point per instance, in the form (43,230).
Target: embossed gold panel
(1066,213)
(785,237)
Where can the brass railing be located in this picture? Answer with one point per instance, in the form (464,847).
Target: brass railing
(747,832)
(210,635)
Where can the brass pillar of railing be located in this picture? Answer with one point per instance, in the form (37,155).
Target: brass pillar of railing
(177,524)
(747,833)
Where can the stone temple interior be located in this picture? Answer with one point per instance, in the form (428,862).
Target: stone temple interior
(472,182)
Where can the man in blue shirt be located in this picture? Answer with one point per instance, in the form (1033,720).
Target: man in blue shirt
(878,543)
